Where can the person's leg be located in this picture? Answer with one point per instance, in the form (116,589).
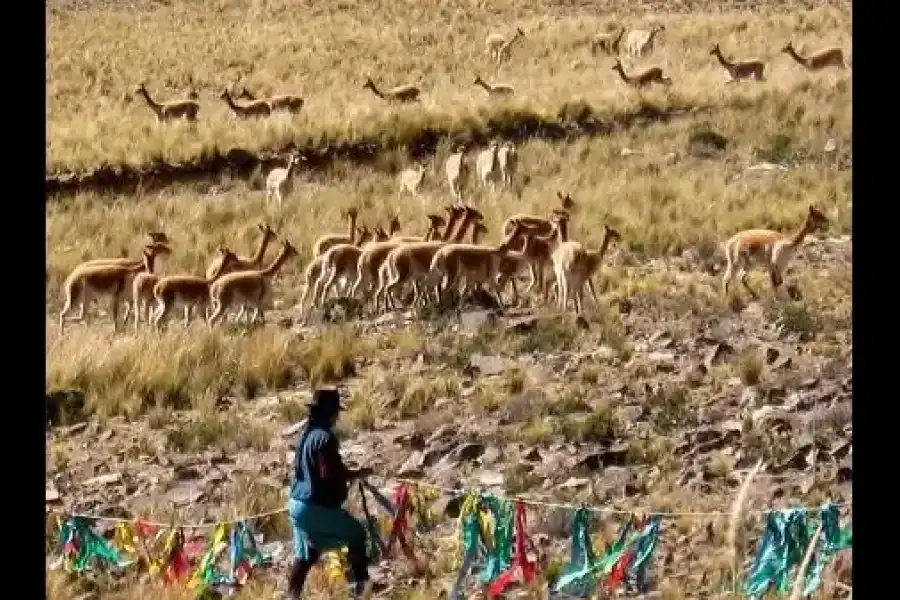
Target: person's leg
(348,528)
(299,571)
(325,529)
(305,555)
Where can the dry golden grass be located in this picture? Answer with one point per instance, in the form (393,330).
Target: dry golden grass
(96,57)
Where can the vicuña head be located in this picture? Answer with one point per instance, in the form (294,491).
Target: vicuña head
(611,234)
(565,200)
(817,220)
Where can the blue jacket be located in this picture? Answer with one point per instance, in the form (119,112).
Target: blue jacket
(307,485)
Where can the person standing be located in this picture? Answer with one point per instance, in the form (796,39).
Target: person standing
(319,488)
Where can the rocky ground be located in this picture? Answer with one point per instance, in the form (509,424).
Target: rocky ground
(662,401)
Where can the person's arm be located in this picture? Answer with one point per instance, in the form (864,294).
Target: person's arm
(330,465)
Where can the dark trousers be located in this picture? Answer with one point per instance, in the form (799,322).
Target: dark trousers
(358,566)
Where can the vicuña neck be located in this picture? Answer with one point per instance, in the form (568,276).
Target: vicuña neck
(796,56)
(722,60)
(796,238)
(261,249)
(149,100)
(276,264)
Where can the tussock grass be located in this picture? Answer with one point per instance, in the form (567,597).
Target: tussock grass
(96,58)
(189,368)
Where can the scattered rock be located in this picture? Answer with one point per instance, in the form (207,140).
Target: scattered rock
(664,361)
(768,415)
(488,365)
(475,320)
(412,466)
(491,479)
(108,479)
(467,451)
(575,483)
(51,494)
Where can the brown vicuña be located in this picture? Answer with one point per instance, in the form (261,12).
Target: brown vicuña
(187,290)
(496,89)
(505,50)
(247,288)
(540,225)
(642,78)
(104,279)
(587,263)
(282,102)
(479,265)
(411,263)
(254,108)
(741,69)
(361,235)
(372,259)
(564,257)
(608,42)
(341,262)
(168,111)
(401,93)
(156,237)
(769,249)
(514,262)
(240,263)
(333,239)
(827,57)
(435,222)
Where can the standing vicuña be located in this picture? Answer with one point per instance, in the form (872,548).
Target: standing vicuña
(586,265)
(476,264)
(247,287)
(279,182)
(508,160)
(358,236)
(639,42)
(167,111)
(827,57)
(642,78)
(457,171)
(401,93)
(742,69)
(505,50)
(283,102)
(333,239)
(104,279)
(608,42)
(497,89)
(254,108)
(187,290)
(495,43)
(240,263)
(409,262)
(767,248)
(411,179)
(487,166)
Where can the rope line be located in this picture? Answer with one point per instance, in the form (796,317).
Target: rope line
(443,490)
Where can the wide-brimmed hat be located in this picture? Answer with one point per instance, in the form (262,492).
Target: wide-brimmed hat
(326,400)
